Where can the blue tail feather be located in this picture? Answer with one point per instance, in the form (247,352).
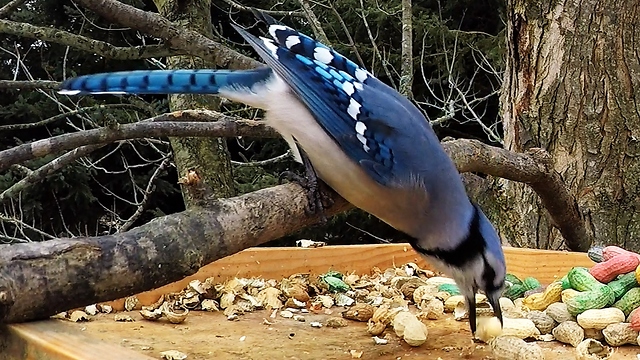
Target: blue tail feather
(201,81)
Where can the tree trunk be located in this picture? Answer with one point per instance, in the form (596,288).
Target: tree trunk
(570,87)
(206,157)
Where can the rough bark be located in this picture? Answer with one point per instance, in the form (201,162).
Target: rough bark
(38,280)
(570,87)
(406,72)
(208,157)
(28,85)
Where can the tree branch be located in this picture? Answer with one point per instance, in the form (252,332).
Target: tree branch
(11,5)
(180,124)
(87,44)
(316,26)
(270,12)
(55,118)
(29,85)
(41,173)
(176,36)
(83,271)
(533,168)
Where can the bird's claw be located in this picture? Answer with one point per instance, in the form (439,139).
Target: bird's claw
(318,199)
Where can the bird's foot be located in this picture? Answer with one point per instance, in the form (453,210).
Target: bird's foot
(318,199)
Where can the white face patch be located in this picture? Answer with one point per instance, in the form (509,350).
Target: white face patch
(361,127)
(270,46)
(291,41)
(348,88)
(354,109)
(322,54)
(361,75)
(276,27)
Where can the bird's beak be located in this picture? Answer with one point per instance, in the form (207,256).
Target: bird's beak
(494,301)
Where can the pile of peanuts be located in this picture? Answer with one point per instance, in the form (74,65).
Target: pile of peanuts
(584,309)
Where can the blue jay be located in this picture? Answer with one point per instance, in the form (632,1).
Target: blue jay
(365,140)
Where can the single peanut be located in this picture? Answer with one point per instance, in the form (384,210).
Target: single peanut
(558,312)
(514,348)
(521,328)
(600,318)
(543,322)
(540,301)
(617,265)
(620,334)
(591,349)
(634,319)
(569,332)
(432,310)
(611,251)
(488,328)
(413,331)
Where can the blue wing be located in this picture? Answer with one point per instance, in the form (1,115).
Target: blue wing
(364,116)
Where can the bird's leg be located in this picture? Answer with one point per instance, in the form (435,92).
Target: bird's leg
(318,200)
(471,307)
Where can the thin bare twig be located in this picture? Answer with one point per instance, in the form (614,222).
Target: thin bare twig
(145,198)
(270,12)
(45,170)
(177,37)
(264,162)
(376,51)
(64,115)
(352,44)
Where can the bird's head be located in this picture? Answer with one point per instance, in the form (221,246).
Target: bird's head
(475,263)
(485,270)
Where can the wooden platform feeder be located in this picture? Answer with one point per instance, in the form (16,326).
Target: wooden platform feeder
(209,335)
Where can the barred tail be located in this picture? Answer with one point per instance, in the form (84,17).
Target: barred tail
(203,81)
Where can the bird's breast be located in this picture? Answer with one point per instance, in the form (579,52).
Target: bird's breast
(292,120)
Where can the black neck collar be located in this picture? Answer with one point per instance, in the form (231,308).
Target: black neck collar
(470,248)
